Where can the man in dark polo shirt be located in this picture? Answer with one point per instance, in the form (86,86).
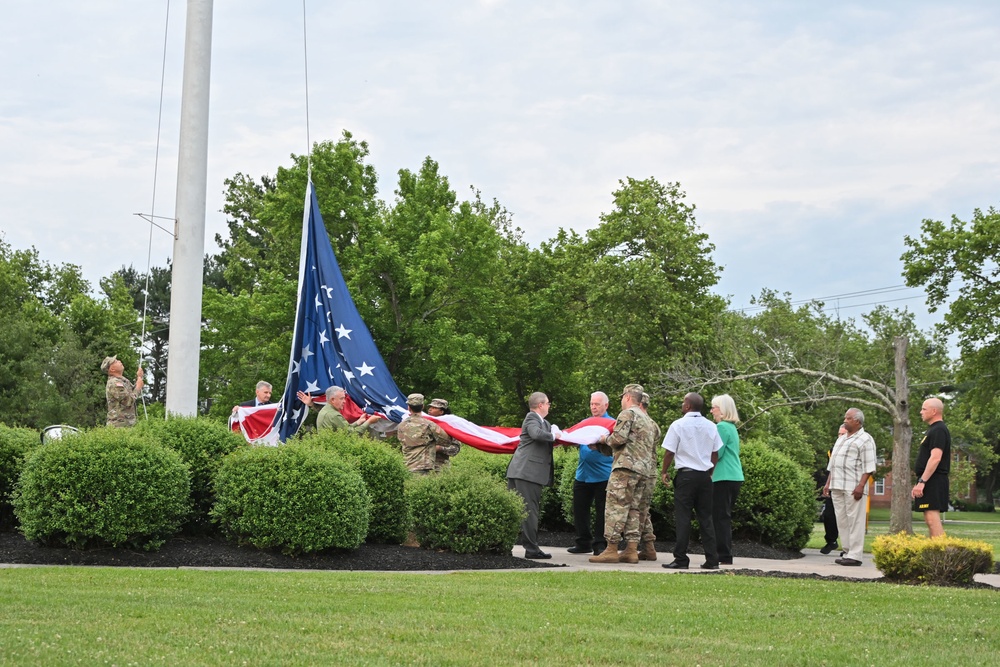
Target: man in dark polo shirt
(930,493)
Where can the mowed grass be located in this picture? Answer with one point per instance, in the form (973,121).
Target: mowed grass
(982,526)
(96,616)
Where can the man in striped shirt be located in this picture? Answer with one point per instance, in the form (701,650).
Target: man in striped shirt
(852,463)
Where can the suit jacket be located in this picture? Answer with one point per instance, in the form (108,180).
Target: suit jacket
(252,403)
(532,459)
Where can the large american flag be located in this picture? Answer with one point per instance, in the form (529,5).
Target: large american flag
(331,344)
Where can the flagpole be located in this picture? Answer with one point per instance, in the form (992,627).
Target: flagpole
(189,229)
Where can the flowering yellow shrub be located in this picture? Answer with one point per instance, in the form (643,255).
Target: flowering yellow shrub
(942,560)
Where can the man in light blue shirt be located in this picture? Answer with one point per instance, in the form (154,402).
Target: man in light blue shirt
(590,488)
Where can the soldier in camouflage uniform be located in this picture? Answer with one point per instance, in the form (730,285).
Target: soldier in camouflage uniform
(331,415)
(632,445)
(438,407)
(420,437)
(647,542)
(121,393)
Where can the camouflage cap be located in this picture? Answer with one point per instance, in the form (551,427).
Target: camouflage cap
(415,399)
(439,403)
(106,364)
(633,389)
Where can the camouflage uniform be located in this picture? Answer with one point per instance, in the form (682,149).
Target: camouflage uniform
(633,447)
(121,396)
(331,417)
(442,459)
(420,437)
(646,521)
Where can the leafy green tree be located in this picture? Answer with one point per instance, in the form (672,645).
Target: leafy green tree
(53,339)
(648,287)
(957,263)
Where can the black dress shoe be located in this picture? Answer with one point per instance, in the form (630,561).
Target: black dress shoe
(710,566)
(538,555)
(580,550)
(675,566)
(847,561)
(830,546)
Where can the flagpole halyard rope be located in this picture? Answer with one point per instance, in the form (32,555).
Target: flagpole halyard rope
(152,204)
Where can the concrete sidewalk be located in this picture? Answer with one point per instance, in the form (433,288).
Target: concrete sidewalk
(812,562)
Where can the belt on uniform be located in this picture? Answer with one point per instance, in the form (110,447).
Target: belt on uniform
(690,470)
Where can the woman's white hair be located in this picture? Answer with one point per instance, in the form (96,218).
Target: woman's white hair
(727,408)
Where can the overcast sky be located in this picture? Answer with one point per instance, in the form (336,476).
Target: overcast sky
(811,136)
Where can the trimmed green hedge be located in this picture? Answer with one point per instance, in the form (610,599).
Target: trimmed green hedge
(107,486)
(202,444)
(15,443)
(384,472)
(464,511)
(297,497)
(946,561)
(777,503)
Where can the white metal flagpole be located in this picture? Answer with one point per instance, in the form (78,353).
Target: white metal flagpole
(184,354)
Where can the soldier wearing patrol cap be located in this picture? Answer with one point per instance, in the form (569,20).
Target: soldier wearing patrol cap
(438,407)
(120,392)
(419,437)
(631,443)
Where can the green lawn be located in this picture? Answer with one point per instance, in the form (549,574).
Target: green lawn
(63,616)
(983,526)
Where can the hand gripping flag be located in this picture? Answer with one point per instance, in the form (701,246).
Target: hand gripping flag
(331,344)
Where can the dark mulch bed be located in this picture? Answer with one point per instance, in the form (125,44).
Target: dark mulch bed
(208,552)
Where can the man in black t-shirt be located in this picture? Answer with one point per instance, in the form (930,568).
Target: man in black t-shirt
(930,494)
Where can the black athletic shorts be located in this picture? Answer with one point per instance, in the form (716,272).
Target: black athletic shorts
(935,495)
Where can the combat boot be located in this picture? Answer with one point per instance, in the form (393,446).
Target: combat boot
(609,555)
(648,551)
(629,555)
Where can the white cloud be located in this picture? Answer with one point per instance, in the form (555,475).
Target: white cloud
(789,125)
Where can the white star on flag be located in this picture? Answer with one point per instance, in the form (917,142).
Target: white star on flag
(306,353)
(349,375)
(343,332)
(313,386)
(365,369)
(322,337)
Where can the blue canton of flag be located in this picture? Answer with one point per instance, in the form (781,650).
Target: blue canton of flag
(331,344)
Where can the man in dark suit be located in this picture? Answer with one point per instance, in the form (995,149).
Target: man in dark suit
(263,396)
(531,468)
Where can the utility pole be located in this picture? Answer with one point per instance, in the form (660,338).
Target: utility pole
(900,517)
(184,354)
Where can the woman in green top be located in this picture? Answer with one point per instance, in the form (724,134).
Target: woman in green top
(727,478)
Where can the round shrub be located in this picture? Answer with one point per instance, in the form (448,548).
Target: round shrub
(777,503)
(551,516)
(945,561)
(296,497)
(464,511)
(108,486)
(384,472)
(476,460)
(15,443)
(565,486)
(661,510)
(202,444)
